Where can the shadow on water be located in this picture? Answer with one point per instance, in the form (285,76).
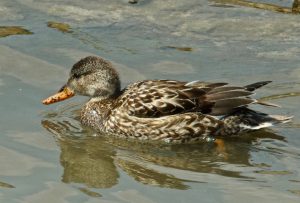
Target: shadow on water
(95,160)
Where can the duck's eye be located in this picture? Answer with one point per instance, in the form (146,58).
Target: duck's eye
(76,76)
(79,75)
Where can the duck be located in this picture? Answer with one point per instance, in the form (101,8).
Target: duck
(170,111)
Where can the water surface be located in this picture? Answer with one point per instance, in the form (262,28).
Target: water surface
(47,156)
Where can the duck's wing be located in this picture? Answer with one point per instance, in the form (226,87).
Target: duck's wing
(156,98)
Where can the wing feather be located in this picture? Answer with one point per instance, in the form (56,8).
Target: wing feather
(156,98)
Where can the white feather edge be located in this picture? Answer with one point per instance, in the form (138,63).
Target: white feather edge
(262,125)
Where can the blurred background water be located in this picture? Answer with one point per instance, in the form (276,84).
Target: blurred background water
(47,156)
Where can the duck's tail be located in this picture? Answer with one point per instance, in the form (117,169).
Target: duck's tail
(245,120)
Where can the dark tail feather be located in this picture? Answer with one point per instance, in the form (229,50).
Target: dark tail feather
(245,120)
(227,106)
(228,95)
(224,100)
(266,103)
(256,85)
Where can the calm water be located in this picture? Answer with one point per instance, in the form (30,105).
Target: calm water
(47,156)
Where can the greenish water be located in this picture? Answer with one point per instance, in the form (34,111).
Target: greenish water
(47,156)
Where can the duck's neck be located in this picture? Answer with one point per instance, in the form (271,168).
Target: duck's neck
(105,95)
(95,112)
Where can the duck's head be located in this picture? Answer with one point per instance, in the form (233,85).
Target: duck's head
(91,76)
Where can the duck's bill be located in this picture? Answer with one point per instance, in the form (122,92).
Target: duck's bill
(63,94)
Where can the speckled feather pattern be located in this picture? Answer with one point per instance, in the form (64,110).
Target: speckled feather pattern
(186,127)
(167,110)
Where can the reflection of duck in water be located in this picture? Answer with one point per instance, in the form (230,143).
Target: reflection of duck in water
(168,110)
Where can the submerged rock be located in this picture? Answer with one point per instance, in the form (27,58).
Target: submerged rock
(179,48)
(13,30)
(133,1)
(63,27)
(6,185)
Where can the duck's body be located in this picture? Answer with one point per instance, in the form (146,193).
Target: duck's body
(168,110)
(151,110)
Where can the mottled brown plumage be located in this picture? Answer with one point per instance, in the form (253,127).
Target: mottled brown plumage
(168,110)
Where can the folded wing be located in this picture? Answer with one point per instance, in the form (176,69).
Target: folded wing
(158,98)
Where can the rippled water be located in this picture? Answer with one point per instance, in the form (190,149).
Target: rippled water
(47,156)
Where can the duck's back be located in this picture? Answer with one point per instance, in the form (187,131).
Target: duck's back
(156,98)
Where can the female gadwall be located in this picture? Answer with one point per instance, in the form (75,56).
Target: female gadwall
(168,110)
